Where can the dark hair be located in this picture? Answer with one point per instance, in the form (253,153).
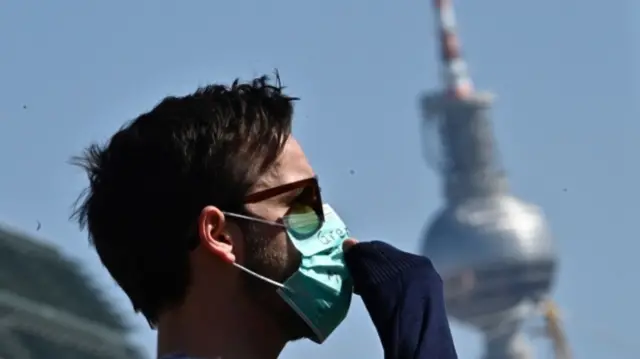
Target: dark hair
(148,184)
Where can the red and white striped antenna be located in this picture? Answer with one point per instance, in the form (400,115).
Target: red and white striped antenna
(454,72)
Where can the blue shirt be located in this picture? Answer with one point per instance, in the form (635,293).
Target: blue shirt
(404,297)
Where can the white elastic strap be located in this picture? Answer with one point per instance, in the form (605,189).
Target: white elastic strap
(268,280)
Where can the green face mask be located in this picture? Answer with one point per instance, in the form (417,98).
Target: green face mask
(320,291)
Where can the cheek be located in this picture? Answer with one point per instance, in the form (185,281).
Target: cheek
(292,257)
(277,239)
(279,247)
(283,257)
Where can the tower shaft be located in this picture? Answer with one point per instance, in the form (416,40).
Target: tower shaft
(469,159)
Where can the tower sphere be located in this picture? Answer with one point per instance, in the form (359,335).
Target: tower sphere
(493,254)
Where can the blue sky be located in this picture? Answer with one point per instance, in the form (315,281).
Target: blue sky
(565,118)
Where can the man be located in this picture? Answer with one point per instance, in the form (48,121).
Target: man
(207,214)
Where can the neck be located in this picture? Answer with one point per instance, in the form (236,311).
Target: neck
(212,331)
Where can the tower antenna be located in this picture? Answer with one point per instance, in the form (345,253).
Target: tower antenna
(455,74)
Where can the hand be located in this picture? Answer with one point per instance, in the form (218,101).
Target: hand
(348,243)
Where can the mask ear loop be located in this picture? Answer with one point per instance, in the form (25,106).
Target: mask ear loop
(248,271)
(259,276)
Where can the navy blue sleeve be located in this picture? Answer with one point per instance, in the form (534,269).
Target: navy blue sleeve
(404,297)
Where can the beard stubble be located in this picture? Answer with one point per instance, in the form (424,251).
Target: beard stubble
(276,258)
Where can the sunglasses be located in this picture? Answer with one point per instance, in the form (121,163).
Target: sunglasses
(305,215)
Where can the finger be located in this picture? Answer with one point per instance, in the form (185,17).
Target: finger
(348,243)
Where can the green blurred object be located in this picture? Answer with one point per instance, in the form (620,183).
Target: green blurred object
(49,308)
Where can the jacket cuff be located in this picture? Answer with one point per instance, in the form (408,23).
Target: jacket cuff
(372,263)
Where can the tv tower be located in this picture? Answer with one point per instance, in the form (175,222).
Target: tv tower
(493,250)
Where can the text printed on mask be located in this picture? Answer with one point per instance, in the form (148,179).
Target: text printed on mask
(328,236)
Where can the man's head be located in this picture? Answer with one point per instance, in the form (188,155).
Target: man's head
(159,190)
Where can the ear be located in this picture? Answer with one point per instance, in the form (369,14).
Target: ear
(211,229)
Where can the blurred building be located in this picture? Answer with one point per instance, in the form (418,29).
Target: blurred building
(50,310)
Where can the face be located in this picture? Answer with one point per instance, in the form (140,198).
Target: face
(267,249)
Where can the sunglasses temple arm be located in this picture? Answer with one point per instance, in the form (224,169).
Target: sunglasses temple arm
(254,219)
